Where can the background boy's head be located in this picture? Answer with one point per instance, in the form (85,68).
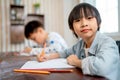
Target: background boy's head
(31,27)
(83,10)
(34,30)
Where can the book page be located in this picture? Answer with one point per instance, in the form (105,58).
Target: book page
(54,63)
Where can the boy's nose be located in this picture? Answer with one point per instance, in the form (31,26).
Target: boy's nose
(84,22)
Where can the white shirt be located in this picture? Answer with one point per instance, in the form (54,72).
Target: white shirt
(54,43)
(86,51)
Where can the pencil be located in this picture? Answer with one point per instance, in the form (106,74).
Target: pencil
(53,70)
(31,71)
(42,53)
(61,71)
(43,50)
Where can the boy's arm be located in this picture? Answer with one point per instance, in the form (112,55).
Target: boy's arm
(34,51)
(46,57)
(27,50)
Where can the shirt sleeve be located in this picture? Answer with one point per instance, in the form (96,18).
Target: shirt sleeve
(105,61)
(35,51)
(67,52)
(52,48)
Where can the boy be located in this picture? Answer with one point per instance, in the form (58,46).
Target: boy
(52,41)
(95,53)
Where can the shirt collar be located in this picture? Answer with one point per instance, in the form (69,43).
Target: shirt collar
(92,49)
(94,43)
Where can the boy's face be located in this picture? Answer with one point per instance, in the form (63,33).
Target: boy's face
(85,27)
(38,36)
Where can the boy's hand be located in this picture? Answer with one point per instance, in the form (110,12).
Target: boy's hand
(46,57)
(42,58)
(27,50)
(74,60)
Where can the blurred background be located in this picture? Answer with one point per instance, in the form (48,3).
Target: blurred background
(14,14)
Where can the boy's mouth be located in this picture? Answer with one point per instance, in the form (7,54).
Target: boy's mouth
(85,30)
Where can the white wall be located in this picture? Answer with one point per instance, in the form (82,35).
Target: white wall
(68,35)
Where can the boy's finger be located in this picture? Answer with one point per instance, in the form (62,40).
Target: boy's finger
(40,58)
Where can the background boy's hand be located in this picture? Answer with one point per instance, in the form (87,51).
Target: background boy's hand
(42,58)
(27,50)
(46,57)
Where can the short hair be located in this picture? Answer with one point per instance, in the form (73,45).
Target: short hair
(31,27)
(83,10)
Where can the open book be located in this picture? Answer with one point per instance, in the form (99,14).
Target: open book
(54,63)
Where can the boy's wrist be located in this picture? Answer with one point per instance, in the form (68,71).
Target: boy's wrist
(79,64)
(53,56)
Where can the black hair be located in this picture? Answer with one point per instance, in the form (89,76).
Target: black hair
(31,27)
(83,10)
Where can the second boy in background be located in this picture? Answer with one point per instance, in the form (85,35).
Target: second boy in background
(34,31)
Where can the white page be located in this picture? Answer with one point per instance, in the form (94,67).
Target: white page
(54,63)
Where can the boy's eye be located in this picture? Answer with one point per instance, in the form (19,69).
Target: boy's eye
(90,17)
(77,20)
